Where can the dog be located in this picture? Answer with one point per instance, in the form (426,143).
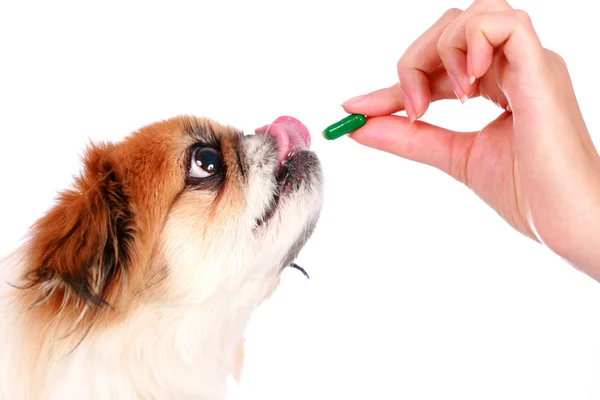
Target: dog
(139,281)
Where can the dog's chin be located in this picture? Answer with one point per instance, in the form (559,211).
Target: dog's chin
(298,172)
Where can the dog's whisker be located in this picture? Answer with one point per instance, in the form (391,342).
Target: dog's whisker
(299,268)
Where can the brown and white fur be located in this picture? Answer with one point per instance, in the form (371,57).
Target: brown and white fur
(139,282)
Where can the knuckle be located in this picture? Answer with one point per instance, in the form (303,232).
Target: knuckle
(471,25)
(443,46)
(492,3)
(556,59)
(405,59)
(555,56)
(522,17)
(401,65)
(402,70)
(452,13)
(484,4)
(441,49)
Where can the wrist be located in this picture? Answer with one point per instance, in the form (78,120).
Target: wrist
(576,241)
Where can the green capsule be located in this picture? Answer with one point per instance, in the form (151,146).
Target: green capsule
(349,124)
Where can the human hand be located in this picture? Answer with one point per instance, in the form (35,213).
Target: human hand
(535,164)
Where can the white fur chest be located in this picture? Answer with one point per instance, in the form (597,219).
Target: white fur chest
(160,352)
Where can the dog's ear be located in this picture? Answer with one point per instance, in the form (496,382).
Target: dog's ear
(82,246)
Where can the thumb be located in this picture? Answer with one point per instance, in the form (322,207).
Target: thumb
(418,141)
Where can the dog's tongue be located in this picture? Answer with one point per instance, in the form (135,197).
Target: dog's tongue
(291,136)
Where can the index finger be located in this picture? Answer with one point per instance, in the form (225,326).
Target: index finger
(419,60)
(389,100)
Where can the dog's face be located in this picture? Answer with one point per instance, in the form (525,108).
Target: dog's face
(184,211)
(248,206)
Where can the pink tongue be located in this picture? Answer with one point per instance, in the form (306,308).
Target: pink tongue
(291,136)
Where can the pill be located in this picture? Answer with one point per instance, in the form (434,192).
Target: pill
(349,124)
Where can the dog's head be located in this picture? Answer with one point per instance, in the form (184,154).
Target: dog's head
(183,211)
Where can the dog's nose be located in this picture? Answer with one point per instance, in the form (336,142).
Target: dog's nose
(290,134)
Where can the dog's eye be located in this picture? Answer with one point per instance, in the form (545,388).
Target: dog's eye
(206,162)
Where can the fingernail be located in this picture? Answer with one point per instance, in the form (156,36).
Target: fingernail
(457,89)
(471,80)
(353,100)
(508,108)
(408,107)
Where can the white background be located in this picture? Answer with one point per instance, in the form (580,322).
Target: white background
(417,290)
